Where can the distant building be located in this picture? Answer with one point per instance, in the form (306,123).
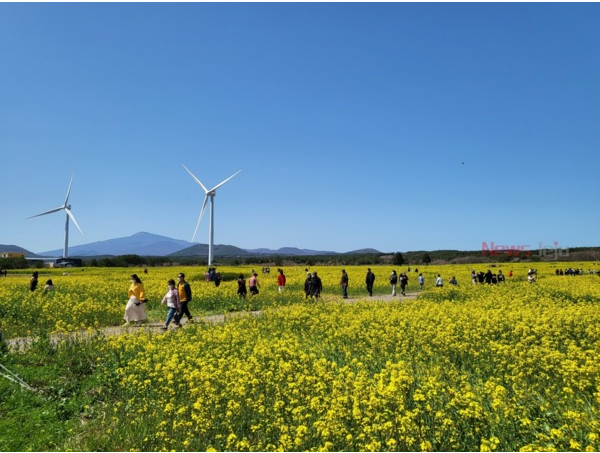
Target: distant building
(12,255)
(55,262)
(68,262)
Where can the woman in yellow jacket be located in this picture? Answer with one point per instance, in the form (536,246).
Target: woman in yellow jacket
(135,311)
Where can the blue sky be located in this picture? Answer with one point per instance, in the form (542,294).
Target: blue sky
(397,126)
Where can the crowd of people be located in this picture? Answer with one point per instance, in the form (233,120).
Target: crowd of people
(211,275)
(33,284)
(571,271)
(177,299)
(489,277)
(179,294)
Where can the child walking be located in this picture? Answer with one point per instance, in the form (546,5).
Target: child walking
(171,300)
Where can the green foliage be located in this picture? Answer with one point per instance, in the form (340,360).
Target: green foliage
(398,259)
(127,260)
(13,263)
(67,389)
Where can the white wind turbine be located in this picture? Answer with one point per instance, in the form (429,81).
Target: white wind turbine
(208,194)
(67,207)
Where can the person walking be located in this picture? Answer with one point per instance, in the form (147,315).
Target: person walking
(49,288)
(134,310)
(242,291)
(253,284)
(421,280)
(403,283)
(439,282)
(370,280)
(34,281)
(171,300)
(281,281)
(307,284)
(344,284)
(501,278)
(217,278)
(185,297)
(488,277)
(393,282)
(316,285)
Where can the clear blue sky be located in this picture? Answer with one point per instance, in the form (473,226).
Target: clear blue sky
(397,126)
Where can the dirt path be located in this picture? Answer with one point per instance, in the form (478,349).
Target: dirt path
(22,343)
(378,297)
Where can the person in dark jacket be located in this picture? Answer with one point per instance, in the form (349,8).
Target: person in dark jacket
(185,297)
(370,280)
(307,284)
(316,286)
(488,277)
(242,291)
(393,282)
(344,284)
(403,283)
(34,281)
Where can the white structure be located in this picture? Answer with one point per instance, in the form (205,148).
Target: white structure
(208,194)
(67,208)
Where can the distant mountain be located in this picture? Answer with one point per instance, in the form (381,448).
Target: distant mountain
(143,244)
(16,249)
(13,248)
(148,244)
(218,250)
(293,251)
(289,251)
(364,252)
(230,250)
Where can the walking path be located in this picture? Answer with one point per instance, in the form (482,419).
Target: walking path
(22,343)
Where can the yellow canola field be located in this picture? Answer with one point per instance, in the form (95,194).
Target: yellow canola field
(511,367)
(91,298)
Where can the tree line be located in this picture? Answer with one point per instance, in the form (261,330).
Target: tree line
(396,259)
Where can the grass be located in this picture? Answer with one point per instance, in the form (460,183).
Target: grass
(66,384)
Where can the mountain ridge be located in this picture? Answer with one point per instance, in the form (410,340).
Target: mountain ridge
(149,244)
(141,243)
(152,245)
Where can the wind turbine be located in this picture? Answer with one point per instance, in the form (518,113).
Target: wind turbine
(67,207)
(209,194)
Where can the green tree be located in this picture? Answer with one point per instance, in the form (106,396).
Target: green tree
(398,259)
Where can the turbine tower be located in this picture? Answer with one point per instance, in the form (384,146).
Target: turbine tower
(209,194)
(67,207)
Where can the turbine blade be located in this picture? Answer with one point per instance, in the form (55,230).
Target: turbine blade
(47,212)
(223,182)
(200,216)
(196,179)
(72,217)
(69,190)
